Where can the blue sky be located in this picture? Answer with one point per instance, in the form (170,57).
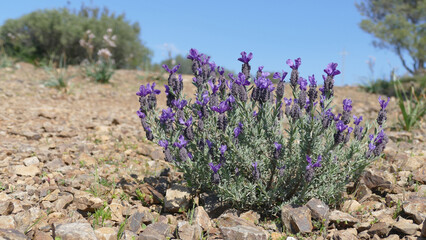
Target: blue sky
(317,31)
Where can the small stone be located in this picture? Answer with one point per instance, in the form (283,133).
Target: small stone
(319,209)
(30,171)
(116,211)
(190,232)
(128,235)
(277,236)
(423,234)
(7,222)
(375,182)
(344,235)
(405,227)
(31,161)
(75,231)
(362,191)
(415,208)
(39,235)
(53,196)
(86,202)
(202,219)
(380,228)
(12,234)
(157,154)
(106,233)
(251,216)
(212,204)
(136,219)
(177,199)
(87,160)
(392,237)
(419,175)
(244,232)
(351,206)
(342,220)
(6,208)
(64,200)
(155,231)
(297,219)
(231,220)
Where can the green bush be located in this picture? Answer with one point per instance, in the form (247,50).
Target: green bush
(385,87)
(45,33)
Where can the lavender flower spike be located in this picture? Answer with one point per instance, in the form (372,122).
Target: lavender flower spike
(173,70)
(310,168)
(295,65)
(381,118)
(331,69)
(181,142)
(215,174)
(223,107)
(163,143)
(256,172)
(244,58)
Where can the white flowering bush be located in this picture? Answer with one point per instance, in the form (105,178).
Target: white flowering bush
(102,70)
(231,139)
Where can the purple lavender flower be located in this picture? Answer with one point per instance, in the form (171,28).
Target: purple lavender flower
(281,170)
(222,108)
(244,58)
(295,112)
(310,168)
(357,121)
(348,133)
(256,172)
(140,114)
(259,72)
(381,118)
(277,151)
(181,143)
(303,83)
(280,86)
(337,117)
(347,108)
(144,91)
(163,143)
(287,106)
(220,70)
(331,70)
(264,87)
(339,136)
(167,115)
(312,89)
(238,130)
(193,54)
(295,65)
(180,104)
(187,123)
(215,174)
(214,88)
(327,118)
(173,70)
(223,149)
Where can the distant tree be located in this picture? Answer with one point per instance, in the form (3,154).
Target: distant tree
(399,25)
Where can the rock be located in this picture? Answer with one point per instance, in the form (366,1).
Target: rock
(344,235)
(297,219)
(87,160)
(202,219)
(231,220)
(116,211)
(423,234)
(136,219)
(362,191)
(53,196)
(63,201)
(31,161)
(420,175)
(39,235)
(342,220)
(155,231)
(30,171)
(319,209)
(177,198)
(128,235)
(415,208)
(413,163)
(251,216)
(7,234)
(106,233)
(87,202)
(375,181)
(212,204)
(380,228)
(189,232)
(75,231)
(405,227)
(7,222)
(351,206)
(6,208)
(243,232)
(153,196)
(392,237)
(157,154)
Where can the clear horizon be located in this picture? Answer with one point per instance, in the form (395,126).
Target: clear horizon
(319,32)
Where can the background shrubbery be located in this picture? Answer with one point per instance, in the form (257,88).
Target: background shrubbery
(47,34)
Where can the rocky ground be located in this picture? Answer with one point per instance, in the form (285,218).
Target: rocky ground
(76,165)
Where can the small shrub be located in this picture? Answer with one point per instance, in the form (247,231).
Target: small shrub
(255,148)
(58,77)
(102,70)
(413,109)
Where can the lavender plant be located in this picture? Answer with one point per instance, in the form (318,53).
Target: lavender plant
(235,138)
